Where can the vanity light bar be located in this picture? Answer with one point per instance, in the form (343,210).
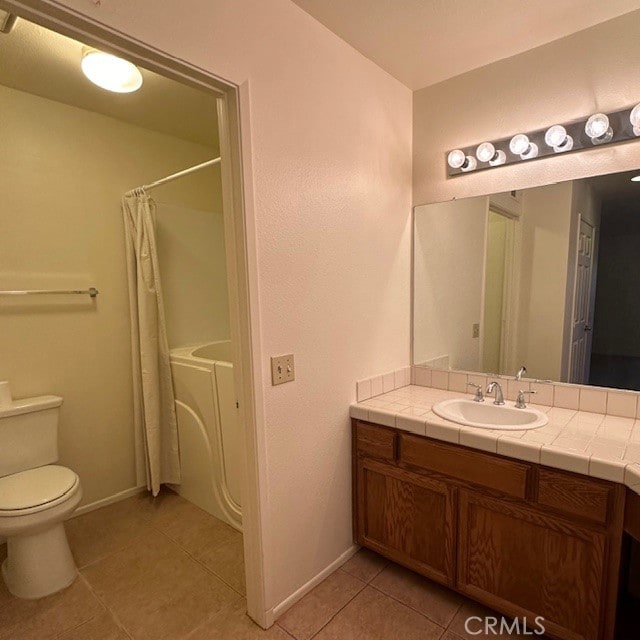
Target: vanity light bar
(598,129)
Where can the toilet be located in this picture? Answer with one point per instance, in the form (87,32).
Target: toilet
(36,497)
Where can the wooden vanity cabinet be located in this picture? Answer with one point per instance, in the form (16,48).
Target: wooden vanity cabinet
(523,539)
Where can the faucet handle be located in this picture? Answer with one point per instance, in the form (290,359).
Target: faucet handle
(520,403)
(478,397)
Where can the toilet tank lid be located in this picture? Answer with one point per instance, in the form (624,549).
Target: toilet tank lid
(28,405)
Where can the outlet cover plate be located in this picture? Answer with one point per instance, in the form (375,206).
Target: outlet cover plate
(282,369)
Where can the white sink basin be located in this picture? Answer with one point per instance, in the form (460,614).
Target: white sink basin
(487,415)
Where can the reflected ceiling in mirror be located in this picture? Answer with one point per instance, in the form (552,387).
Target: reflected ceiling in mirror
(547,277)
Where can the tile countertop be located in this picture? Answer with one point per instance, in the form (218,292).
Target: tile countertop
(593,444)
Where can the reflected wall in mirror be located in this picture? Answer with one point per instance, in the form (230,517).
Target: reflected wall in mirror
(547,277)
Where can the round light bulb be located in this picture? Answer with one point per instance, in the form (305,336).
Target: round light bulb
(634,118)
(470,164)
(456,159)
(519,144)
(499,158)
(531,152)
(567,145)
(485,152)
(597,125)
(110,72)
(555,135)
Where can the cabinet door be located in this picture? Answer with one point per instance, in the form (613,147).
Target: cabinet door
(525,563)
(407,517)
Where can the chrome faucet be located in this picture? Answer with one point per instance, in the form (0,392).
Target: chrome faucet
(498,389)
(520,403)
(521,372)
(478,397)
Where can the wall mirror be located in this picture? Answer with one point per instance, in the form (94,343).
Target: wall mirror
(547,277)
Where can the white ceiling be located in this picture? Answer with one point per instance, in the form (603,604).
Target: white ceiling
(42,62)
(422,42)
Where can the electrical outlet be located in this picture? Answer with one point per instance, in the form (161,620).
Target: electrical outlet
(282,369)
(476,330)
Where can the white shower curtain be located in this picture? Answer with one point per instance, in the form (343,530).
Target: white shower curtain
(154,403)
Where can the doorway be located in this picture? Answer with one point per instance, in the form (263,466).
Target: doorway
(235,237)
(498,292)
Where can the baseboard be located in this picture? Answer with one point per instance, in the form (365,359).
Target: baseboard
(278,610)
(117,497)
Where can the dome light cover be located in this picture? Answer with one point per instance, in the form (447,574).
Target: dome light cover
(110,72)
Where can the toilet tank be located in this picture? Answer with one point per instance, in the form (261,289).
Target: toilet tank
(28,433)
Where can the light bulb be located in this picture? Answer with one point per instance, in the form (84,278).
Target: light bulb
(522,146)
(485,152)
(456,159)
(598,129)
(557,138)
(470,164)
(555,135)
(634,118)
(498,159)
(109,72)
(635,179)
(519,144)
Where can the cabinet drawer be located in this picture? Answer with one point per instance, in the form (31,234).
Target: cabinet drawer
(469,466)
(574,495)
(375,442)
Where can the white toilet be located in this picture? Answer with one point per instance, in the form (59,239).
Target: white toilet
(36,497)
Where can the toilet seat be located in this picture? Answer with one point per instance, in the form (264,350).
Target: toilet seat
(36,489)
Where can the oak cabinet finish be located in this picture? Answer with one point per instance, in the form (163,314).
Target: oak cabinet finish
(521,538)
(526,563)
(398,505)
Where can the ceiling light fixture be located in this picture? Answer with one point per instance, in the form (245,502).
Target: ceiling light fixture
(635,179)
(110,72)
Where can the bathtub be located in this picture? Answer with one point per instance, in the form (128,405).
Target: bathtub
(209,431)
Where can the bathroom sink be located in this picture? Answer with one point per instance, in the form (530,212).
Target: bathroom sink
(486,415)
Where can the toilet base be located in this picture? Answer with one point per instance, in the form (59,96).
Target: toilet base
(39,564)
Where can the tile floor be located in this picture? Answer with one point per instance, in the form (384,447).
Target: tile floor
(165,570)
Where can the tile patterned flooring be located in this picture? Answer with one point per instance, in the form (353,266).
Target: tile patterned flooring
(165,570)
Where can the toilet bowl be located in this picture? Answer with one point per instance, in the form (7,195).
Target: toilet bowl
(33,506)
(36,497)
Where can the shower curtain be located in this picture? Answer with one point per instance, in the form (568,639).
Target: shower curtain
(154,403)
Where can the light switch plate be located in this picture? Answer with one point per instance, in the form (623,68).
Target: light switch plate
(476,330)
(282,369)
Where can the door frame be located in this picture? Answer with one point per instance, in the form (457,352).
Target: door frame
(511,292)
(240,239)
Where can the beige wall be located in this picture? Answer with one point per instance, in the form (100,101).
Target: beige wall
(64,171)
(448,270)
(193,268)
(330,150)
(565,80)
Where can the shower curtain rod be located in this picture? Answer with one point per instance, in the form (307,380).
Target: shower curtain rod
(173,176)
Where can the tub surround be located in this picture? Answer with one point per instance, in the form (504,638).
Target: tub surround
(591,430)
